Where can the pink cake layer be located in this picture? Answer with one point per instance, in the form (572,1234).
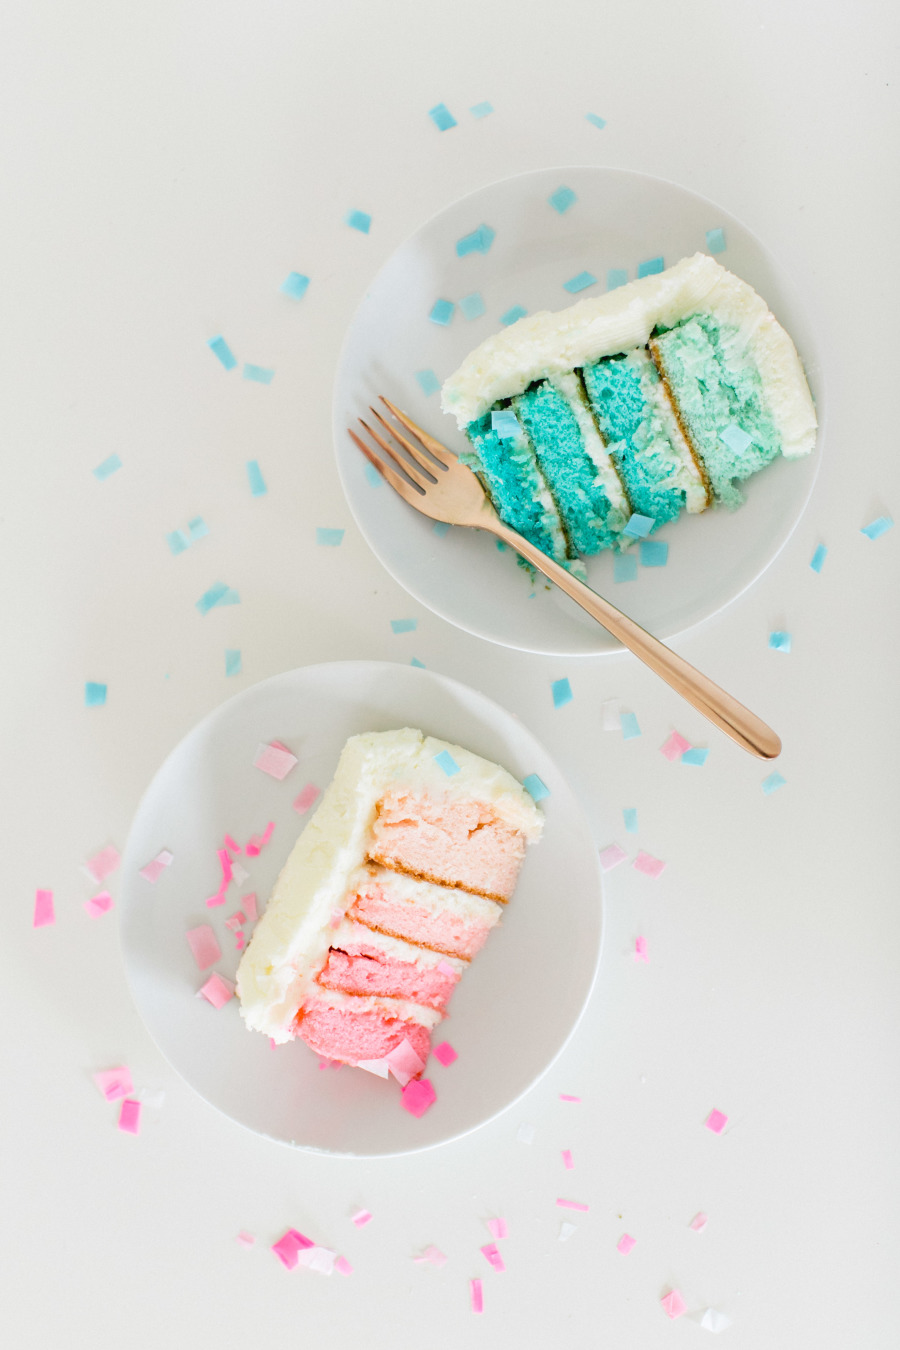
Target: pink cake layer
(443,930)
(336,1033)
(452,842)
(364,969)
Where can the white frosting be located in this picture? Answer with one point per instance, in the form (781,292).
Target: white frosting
(545,344)
(429,896)
(687,476)
(291,940)
(351,933)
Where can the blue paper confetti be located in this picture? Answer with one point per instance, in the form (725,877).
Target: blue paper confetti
(428,382)
(629,724)
(501,545)
(259,374)
(780,641)
(505,424)
(877,528)
(233,665)
(472,305)
(579,283)
(373,477)
(818,558)
(697,755)
(327,538)
(562,693)
(94,694)
(735,438)
(441,527)
(654,553)
(359,220)
(650,267)
(512,315)
(295,285)
(629,815)
(715,240)
(481,109)
(442,312)
(772,783)
(442,117)
(255,479)
(108,466)
(218,594)
(638,526)
(595,120)
(536,788)
(562,199)
(220,348)
(445,761)
(404,625)
(479,241)
(625,567)
(197,529)
(616,277)
(420,665)
(177,541)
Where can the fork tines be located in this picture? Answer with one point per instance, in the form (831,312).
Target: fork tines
(415,465)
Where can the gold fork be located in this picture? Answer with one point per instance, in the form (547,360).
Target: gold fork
(439,486)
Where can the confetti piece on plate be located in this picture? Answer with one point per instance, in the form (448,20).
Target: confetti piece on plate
(305,798)
(735,438)
(404,625)
(403,1062)
(233,663)
(568,1164)
(361,1218)
(220,348)
(153,870)
(818,558)
(446,762)
(616,277)
(257,842)
(417,1096)
(650,267)
(625,1243)
(640,950)
(780,641)
(512,315)
(444,1053)
(205,946)
(373,477)
(442,527)
(114,1083)
(772,783)
(442,117)
(654,553)
(638,526)
(255,479)
(218,594)
(289,1247)
(673,1304)
(491,1252)
(579,282)
(498,1228)
(696,755)
(479,241)
(595,120)
(650,866)
(431,1256)
(611,856)
(427,380)
(609,715)
(103,863)
(567,1097)
(525,1134)
(342,1266)
(875,530)
(715,1321)
(217,990)
(94,694)
(477,1296)
(246,1239)
(274,760)
(258,374)
(295,285)
(562,693)
(566,1231)
(130,1116)
(571,1204)
(108,467)
(699,1222)
(629,725)
(505,424)
(99,904)
(625,567)
(326,538)
(716,1121)
(473,305)
(675,746)
(248,903)
(715,240)
(535,787)
(480,110)
(562,199)
(630,817)
(359,220)
(442,312)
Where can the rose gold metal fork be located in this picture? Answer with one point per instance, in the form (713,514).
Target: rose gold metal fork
(439,486)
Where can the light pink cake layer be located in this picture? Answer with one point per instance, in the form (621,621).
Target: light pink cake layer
(335,1033)
(455,843)
(444,930)
(364,969)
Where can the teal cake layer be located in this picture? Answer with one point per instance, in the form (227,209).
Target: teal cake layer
(637,441)
(509,470)
(589,520)
(716,388)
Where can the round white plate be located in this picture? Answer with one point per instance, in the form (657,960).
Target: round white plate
(514,1009)
(619,220)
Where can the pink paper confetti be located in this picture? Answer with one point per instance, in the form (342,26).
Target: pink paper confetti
(625,1243)
(491,1253)
(205,946)
(246,1239)
(497,1228)
(567,1159)
(611,857)
(104,862)
(675,746)
(240,942)
(231,845)
(417,1096)
(673,1304)
(343,1266)
(289,1247)
(379,1067)
(225,862)
(130,1116)
(699,1222)
(431,1256)
(445,968)
(337,918)
(361,1217)
(43,909)
(153,870)
(477,1296)
(571,1204)
(650,866)
(640,950)
(304,799)
(236,921)
(257,842)
(404,1063)
(217,990)
(99,904)
(249,904)
(114,1083)
(275,760)
(319,1259)
(238,874)
(444,1053)
(716,1121)
(565,1097)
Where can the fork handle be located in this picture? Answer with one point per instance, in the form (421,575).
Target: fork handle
(743,726)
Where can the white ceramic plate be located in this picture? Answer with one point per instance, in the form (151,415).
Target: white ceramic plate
(514,1009)
(619,220)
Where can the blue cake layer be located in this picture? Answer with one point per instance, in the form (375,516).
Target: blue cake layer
(509,470)
(589,520)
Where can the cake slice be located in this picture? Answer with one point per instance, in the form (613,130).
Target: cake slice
(391,889)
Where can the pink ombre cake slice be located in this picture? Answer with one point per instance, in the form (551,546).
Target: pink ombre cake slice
(448,920)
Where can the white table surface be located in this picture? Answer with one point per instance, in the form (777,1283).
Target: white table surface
(165,166)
